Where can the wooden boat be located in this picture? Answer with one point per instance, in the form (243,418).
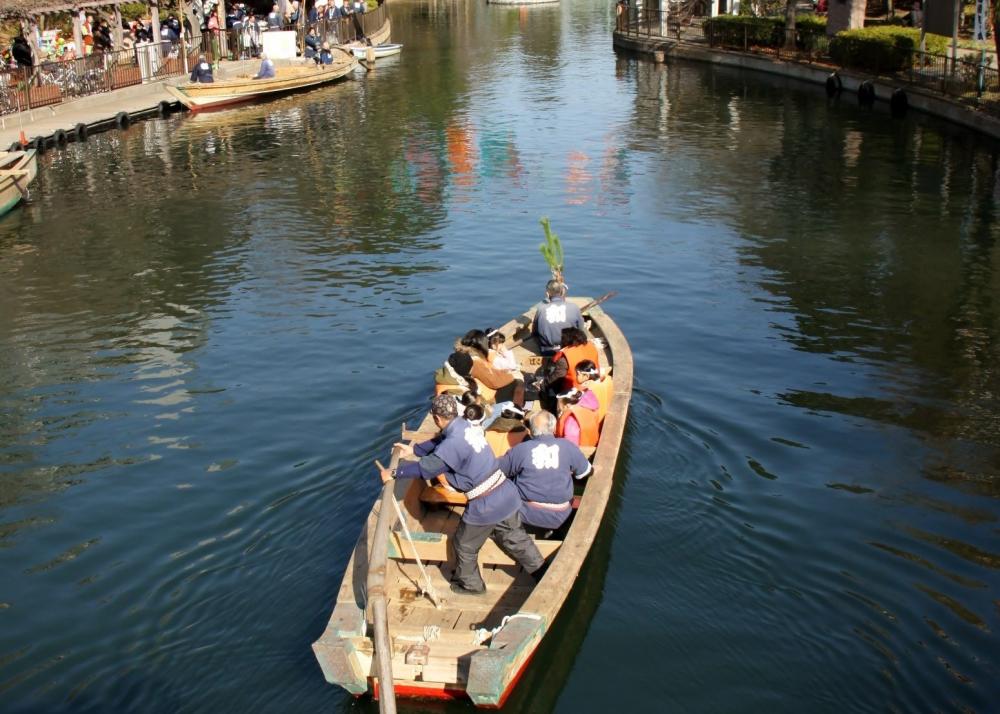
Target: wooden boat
(17,170)
(198,97)
(473,646)
(383,50)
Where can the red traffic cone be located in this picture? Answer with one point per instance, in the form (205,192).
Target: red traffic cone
(23,139)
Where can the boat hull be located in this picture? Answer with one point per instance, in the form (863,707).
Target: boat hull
(432,654)
(200,97)
(380,51)
(17,170)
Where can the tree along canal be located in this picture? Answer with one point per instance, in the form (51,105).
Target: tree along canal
(210,325)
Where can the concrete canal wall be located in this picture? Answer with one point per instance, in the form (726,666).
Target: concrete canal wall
(918,97)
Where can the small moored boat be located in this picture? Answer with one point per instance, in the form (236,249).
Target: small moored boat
(17,170)
(472,646)
(383,50)
(223,92)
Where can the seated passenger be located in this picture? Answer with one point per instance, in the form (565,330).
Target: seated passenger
(504,428)
(202,73)
(577,417)
(266,68)
(543,469)
(312,46)
(504,385)
(499,356)
(589,379)
(560,374)
(325,55)
(552,315)
(455,376)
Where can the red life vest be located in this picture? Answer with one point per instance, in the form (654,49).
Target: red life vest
(587,419)
(574,356)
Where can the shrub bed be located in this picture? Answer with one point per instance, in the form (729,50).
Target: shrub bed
(734,30)
(882,49)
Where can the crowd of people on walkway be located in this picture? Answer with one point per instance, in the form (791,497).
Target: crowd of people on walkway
(242,24)
(513,443)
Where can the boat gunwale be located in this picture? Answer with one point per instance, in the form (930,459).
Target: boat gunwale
(12,189)
(491,680)
(494,669)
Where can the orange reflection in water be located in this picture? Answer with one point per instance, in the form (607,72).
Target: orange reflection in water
(462,154)
(577,179)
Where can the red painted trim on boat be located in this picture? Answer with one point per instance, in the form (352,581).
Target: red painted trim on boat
(514,681)
(436,692)
(447,693)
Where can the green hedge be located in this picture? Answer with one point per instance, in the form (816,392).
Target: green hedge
(732,30)
(882,49)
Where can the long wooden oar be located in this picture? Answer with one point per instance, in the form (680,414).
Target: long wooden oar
(603,299)
(375,584)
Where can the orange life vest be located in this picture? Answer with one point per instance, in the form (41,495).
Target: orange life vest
(574,356)
(603,389)
(503,441)
(587,419)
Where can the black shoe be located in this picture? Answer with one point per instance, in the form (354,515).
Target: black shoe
(457,587)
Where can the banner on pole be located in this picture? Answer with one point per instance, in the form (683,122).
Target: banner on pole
(979,31)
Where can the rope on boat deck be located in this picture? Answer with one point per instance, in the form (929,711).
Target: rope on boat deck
(484,634)
(428,588)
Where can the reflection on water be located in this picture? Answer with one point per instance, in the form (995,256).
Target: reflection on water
(210,325)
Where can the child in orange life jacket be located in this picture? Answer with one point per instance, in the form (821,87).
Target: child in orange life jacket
(576,348)
(577,417)
(589,379)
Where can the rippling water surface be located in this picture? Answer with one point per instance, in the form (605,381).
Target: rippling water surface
(210,325)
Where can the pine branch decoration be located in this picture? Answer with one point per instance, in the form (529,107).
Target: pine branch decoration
(552,250)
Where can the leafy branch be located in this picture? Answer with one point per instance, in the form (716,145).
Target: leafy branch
(552,250)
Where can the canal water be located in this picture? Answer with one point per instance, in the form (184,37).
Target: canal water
(210,326)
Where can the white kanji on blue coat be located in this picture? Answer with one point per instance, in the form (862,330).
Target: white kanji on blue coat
(555,313)
(475,438)
(545,456)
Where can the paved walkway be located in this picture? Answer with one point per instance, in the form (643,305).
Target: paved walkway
(97,111)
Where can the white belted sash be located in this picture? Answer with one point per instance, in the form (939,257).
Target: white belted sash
(495,479)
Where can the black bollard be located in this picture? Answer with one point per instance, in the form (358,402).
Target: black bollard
(899,103)
(833,85)
(866,93)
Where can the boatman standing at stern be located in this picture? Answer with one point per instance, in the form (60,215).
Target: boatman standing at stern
(461,454)
(552,315)
(543,469)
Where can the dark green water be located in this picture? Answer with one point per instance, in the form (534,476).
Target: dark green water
(209,327)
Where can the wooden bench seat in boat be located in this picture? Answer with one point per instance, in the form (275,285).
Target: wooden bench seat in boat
(435,547)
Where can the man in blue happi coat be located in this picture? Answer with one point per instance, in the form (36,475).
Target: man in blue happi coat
(552,315)
(461,454)
(543,469)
